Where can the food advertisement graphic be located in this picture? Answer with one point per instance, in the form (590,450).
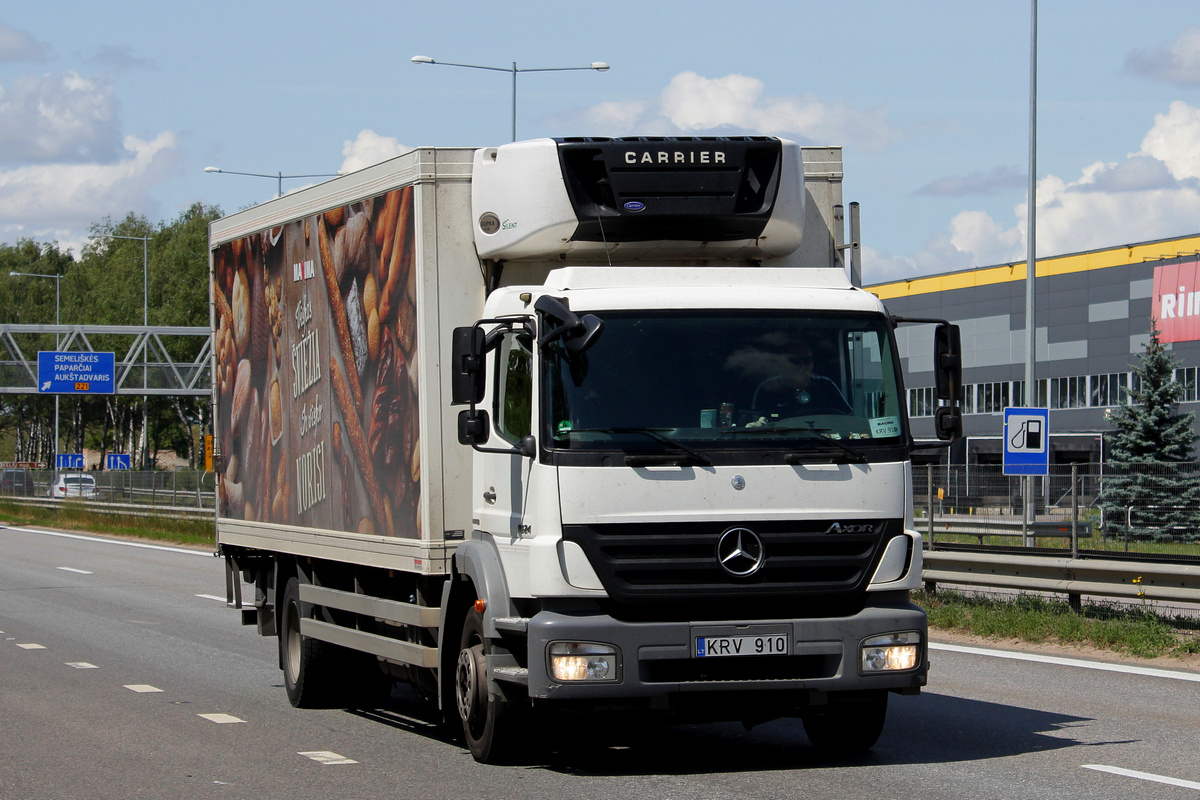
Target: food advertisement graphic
(316,376)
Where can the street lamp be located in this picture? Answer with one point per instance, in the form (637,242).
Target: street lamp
(145,240)
(278,175)
(57,308)
(598,66)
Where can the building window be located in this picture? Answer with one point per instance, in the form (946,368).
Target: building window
(921,402)
(992,398)
(1108,389)
(1186,376)
(1069,392)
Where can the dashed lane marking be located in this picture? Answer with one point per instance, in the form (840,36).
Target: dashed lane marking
(142,688)
(76,571)
(221,719)
(1144,776)
(31,646)
(211,597)
(327,757)
(81,665)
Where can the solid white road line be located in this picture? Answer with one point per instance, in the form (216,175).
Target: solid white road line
(76,571)
(211,597)
(102,540)
(1144,776)
(1069,662)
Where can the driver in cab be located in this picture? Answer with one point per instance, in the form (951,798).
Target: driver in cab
(796,390)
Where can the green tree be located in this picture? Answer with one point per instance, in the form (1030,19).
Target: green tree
(1151,469)
(27,420)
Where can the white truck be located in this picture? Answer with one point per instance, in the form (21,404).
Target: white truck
(571,425)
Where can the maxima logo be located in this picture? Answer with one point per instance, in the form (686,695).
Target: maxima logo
(1176,303)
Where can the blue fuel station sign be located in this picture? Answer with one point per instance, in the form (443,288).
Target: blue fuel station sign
(1026,433)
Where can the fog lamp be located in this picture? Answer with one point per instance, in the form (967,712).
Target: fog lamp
(891,652)
(583,661)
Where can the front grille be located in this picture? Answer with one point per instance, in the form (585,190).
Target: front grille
(672,562)
(730,670)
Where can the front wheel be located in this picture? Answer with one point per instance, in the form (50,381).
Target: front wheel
(847,728)
(481,713)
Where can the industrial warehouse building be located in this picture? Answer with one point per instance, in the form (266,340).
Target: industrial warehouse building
(1093,315)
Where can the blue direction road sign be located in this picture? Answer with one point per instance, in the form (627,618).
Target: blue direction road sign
(76,373)
(117,461)
(1026,433)
(69,461)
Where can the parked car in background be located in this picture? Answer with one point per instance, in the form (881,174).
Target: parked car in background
(16,483)
(74,485)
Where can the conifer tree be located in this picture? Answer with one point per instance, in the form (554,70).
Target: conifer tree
(1150,462)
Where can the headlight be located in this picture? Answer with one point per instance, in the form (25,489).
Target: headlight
(892,652)
(583,661)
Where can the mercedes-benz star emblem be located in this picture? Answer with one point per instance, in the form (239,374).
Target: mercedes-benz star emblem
(740,552)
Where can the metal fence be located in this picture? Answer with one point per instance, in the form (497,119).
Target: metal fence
(1147,511)
(176,489)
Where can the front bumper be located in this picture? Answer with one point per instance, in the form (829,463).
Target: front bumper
(658,666)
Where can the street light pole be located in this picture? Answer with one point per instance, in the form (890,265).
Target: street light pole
(279,176)
(146,334)
(598,66)
(57,321)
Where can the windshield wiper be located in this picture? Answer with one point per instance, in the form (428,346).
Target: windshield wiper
(856,456)
(684,456)
(817,434)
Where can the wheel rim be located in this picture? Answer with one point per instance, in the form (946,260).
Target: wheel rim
(468,689)
(293,644)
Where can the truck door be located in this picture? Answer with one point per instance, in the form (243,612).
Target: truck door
(501,478)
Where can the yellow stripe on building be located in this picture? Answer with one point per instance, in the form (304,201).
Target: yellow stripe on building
(1057,265)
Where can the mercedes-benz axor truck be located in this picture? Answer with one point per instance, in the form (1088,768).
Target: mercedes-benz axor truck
(572,426)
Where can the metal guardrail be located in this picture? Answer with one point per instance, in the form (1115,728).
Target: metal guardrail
(116,509)
(1074,577)
(1060,529)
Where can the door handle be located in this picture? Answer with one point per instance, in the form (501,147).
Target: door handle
(489,497)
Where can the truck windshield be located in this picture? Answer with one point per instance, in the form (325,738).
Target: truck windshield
(690,386)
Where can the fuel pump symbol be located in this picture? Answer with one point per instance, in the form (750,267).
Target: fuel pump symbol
(1028,436)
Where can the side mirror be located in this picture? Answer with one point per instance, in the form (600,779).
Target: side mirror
(578,334)
(947,362)
(947,422)
(473,426)
(467,374)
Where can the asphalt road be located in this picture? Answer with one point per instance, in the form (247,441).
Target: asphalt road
(123,675)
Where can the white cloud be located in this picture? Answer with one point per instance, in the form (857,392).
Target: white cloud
(43,199)
(18,45)
(1152,194)
(369,148)
(1177,63)
(694,104)
(58,118)
(1175,140)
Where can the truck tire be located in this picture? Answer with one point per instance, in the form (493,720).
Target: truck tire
(847,728)
(481,714)
(305,661)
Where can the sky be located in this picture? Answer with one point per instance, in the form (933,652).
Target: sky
(117,107)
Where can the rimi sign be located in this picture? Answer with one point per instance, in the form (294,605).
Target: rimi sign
(1176,303)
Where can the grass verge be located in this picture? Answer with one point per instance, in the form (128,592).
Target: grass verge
(1139,632)
(75,516)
